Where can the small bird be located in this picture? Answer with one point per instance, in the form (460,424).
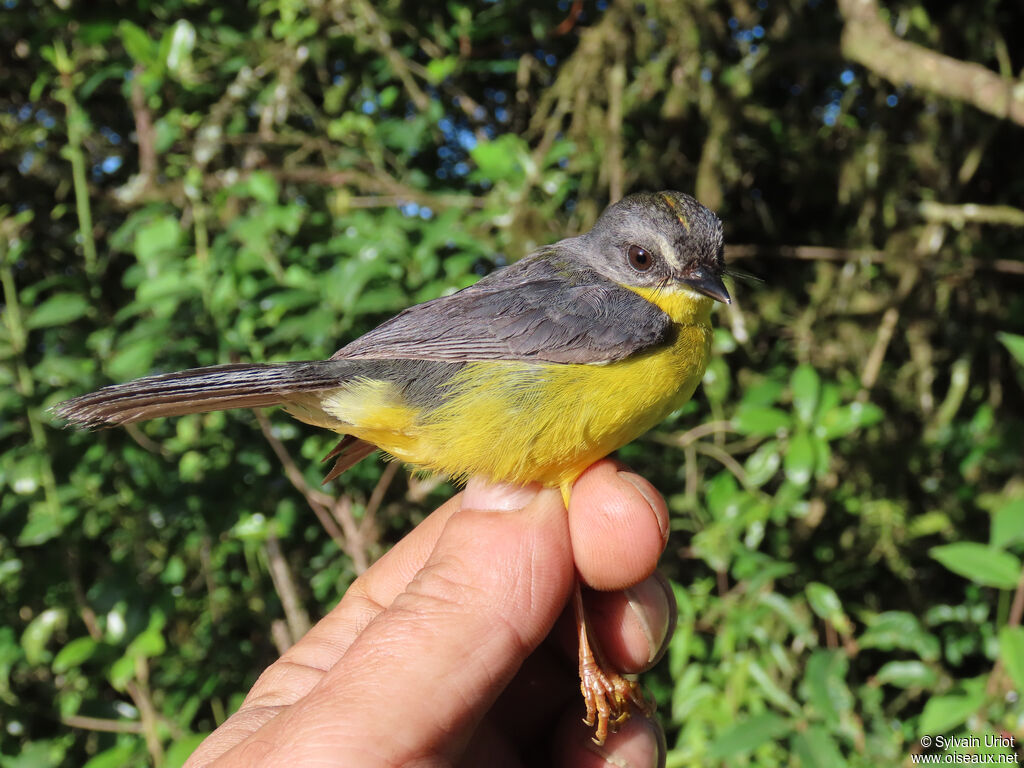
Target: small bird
(530,375)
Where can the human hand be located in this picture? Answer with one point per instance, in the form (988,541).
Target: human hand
(437,654)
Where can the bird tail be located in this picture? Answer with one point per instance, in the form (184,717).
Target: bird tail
(215,388)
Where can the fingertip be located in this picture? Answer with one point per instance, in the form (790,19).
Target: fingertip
(639,743)
(619,525)
(650,494)
(633,626)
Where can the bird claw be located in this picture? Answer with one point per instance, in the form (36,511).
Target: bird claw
(610,699)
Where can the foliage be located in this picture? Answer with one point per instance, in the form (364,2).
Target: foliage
(191,182)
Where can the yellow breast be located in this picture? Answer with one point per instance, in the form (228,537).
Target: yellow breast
(524,422)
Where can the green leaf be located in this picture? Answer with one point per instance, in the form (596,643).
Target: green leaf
(899,630)
(846,419)
(944,713)
(717,382)
(156,239)
(763,463)
(1008,524)
(138,44)
(816,748)
(150,642)
(116,756)
(983,565)
(761,421)
(439,69)
(806,384)
(134,359)
(798,463)
(44,523)
(1014,343)
(122,672)
(182,749)
(179,48)
(825,602)
(38,633)
(773,692)
(824,685)
(42,753)
(501,159)
(764,393)
(907,674)
(723,496)
(74,654)
(1011,651)
(59,309)
(747,735)
(262,186)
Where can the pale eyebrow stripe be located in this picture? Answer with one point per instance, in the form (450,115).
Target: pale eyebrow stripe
(668,251)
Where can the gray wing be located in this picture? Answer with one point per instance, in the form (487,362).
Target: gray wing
(544,308)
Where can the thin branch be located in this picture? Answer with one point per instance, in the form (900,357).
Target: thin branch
(146,443)
(928,243)
(101,724)
(85,610)
(138,690)
(613,154)
(341,510)
(1013,620)
(377,498)
(868,40)
(803,253)
(144,132)
(295,476)
(683,439)
(822,253)
(335,515)
(958,215)
(378,36)
(282,637)
(284,585)
(569,22)
(727,461)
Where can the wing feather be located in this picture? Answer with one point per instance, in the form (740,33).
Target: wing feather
(544,308)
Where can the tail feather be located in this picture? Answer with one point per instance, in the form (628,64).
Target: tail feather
(215,388)
(347,453)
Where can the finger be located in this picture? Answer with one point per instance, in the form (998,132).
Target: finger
(373,591)
(619,526)
(427,668)
(633,626)
(303,665)
(639,743)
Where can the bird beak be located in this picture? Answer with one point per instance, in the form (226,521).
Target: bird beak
(710,285)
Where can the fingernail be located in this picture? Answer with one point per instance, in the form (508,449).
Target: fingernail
(640,744)
(654,607)
(650,496)
(505,497)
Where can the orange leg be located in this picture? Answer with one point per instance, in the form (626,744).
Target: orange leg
(608,695)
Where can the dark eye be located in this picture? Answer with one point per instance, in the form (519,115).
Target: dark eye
(639,259)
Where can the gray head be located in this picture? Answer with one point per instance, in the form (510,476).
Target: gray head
(653,239)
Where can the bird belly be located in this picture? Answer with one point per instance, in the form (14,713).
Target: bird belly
(522,422)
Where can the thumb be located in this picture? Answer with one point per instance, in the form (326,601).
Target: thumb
(426,669)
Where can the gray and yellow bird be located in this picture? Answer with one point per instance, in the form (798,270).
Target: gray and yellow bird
(530,375)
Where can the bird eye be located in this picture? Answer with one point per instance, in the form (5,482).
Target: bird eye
(639,259)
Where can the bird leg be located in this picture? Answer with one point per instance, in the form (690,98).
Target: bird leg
(608,696)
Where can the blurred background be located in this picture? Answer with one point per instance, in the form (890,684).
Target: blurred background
(188,182)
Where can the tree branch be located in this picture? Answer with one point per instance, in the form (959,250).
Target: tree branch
(868,40)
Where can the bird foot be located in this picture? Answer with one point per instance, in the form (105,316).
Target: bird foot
(610,699)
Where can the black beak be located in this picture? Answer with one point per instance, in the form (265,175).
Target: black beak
(710,285)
